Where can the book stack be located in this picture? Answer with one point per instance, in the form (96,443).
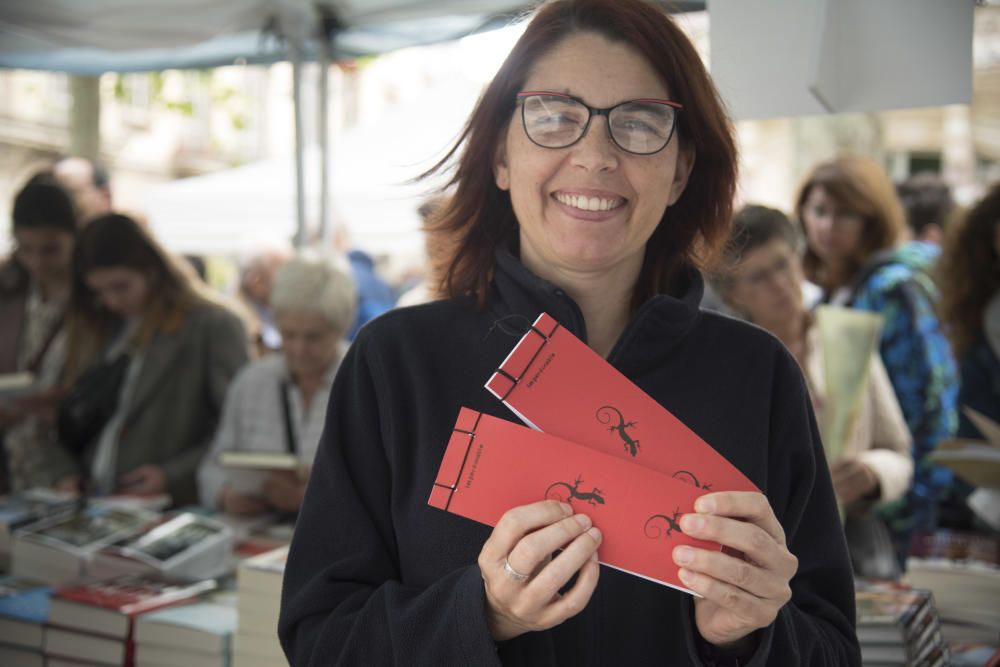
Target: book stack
(24,611)
(258,586)
(898,625)
(59,550)
(188,546)
(963,571)
(92,623)
(17,511)
(189,635)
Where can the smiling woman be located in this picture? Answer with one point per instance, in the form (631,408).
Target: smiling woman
(594,177)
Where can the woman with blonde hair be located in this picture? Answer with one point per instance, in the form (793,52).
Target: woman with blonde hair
(857,253)
(136,308)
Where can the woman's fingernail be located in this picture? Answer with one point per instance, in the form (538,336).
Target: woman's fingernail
(566,508)
(595,533)
(683,555)
(685,575)
(704,504)
(583,520)
(692,523)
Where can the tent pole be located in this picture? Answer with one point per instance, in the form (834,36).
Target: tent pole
(324,142)
(300,191)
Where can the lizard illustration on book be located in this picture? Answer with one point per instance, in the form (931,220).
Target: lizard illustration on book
(604,415)
(671,525)
(688,476)
(592,497)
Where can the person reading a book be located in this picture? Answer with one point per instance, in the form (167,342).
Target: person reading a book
(181,344)
(594,176)
(278,404)
(870,463)
(34,291)
(857,252)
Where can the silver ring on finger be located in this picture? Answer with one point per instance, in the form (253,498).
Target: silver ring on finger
(512,573)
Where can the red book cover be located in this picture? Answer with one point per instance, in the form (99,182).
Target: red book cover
(108,607)
(554,383)
(484,473)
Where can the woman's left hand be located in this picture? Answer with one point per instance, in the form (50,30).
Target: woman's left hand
(146,480)
(739,596)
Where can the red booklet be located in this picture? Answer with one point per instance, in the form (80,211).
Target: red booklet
(492,465)
(555,383)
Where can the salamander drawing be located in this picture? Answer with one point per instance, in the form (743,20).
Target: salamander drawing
(557,492)
(605,416)
(671,525)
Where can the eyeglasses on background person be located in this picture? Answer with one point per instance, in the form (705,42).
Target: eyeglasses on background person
(556,120)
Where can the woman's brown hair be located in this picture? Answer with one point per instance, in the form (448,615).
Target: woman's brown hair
(968,272)
(478,217)
(859,186)
(118,241)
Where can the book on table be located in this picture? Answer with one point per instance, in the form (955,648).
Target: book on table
(30,506)
(258,587)
(59,549)
(24,611)
(17,656)
(94,621)
(187,545)
(195,632)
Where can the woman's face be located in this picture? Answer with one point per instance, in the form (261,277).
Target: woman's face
(833,232)
(767,285)
(46,253)
(555,192)
(123,291)
(309,342)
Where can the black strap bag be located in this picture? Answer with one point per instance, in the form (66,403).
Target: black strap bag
(90,403)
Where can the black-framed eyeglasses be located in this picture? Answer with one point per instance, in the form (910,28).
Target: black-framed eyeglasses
(556,120)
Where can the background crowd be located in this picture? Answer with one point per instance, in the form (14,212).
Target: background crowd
(143,374)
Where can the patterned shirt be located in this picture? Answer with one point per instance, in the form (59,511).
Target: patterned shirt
(922,369)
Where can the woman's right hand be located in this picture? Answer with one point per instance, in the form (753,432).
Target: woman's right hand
(525,538)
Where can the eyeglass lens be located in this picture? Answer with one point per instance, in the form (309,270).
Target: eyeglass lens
(637,127)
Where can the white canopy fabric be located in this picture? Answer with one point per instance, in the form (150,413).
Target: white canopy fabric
(98,36)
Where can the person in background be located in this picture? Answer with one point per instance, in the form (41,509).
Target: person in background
(762,281)
(928,203)
(34,291)
(88,185)
(184,346)
(596,168)
(855,231)
(375,296)
(969,275)
(278,404)
(435,248)
(256,281)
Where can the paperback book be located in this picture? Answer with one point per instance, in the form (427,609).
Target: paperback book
(198,629)
(554,383)
(24,611)
(638,510)
(188,546)
(60,549)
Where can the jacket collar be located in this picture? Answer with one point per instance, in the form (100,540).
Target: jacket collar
(657,325)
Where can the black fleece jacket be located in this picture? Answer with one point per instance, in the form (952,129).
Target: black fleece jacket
(375,576)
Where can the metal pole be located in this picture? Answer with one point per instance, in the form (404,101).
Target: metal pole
(324,142)
(300,190)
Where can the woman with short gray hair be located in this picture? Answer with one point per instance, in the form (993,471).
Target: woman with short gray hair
(278,404)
